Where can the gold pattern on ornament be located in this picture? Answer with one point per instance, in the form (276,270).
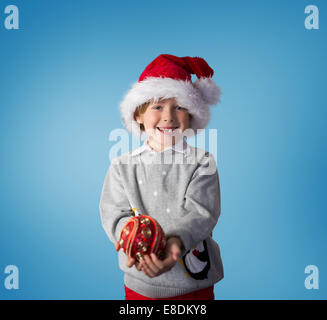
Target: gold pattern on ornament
(142,246)
(146,233)
(164,242)
(139,256)
(145,221)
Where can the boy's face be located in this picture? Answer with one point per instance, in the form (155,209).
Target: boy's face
(164,114)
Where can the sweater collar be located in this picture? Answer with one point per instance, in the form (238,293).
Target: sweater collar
(181,146)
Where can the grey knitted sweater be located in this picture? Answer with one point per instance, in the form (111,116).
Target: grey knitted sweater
(179,187)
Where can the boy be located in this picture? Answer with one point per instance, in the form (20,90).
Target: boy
(165,105)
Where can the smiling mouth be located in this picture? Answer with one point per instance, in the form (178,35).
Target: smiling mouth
(167,130)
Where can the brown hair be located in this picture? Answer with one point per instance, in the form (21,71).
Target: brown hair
(142,108)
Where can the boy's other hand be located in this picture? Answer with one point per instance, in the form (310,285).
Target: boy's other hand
(152,266)
(117,245)
(129,261)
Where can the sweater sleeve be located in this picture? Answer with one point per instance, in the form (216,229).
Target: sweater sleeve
(113,204)
(201,206)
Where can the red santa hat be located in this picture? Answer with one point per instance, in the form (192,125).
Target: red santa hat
(169,76)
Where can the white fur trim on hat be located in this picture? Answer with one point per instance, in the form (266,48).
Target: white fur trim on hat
(209,90)
(195,97)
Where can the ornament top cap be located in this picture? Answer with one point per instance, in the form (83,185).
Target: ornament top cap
(135,211)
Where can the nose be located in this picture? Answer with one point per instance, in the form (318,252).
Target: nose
(168,116)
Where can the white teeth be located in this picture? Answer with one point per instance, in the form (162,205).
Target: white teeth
(167,130)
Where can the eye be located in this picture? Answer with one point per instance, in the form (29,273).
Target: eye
(156,107)
(179,108)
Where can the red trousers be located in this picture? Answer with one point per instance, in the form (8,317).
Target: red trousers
(203,294)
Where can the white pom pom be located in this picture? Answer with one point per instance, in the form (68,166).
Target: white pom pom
(209,90)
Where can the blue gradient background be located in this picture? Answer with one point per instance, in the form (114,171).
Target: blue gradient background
(63,75)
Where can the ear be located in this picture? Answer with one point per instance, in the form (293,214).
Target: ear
(139,120)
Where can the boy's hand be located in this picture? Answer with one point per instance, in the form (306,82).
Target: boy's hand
(130,261)
(152,266)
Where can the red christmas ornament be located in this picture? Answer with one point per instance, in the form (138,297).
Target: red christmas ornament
(142,235)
